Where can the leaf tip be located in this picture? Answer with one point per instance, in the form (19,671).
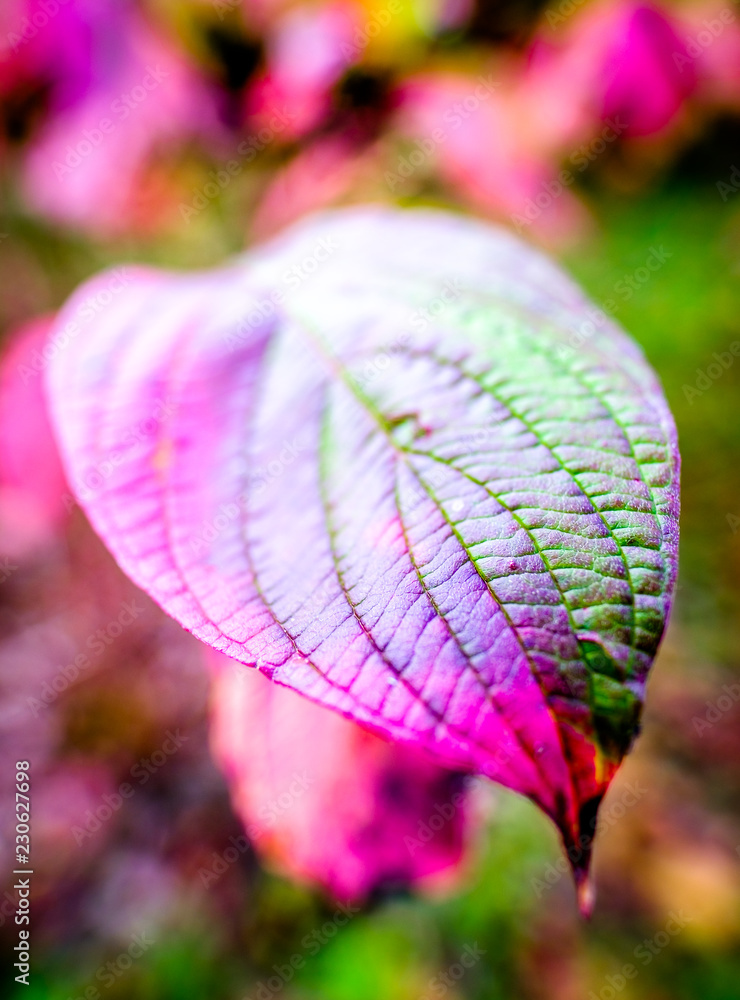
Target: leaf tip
(585,892)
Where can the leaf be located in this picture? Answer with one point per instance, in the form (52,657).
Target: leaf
(397,461)
(324,799)
(34,501)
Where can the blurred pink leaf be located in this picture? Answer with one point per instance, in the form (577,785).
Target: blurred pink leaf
(324,799)
(88,162)
(32,482)
(475,132)
(47,44)
(308,50)
(318,176)
(611,61)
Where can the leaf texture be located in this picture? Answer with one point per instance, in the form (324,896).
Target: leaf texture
(397,461)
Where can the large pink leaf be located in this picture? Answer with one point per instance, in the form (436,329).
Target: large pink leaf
(404,468)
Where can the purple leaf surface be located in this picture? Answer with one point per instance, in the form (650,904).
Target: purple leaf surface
(397,461)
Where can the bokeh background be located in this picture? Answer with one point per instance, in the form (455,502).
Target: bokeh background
(179,131)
